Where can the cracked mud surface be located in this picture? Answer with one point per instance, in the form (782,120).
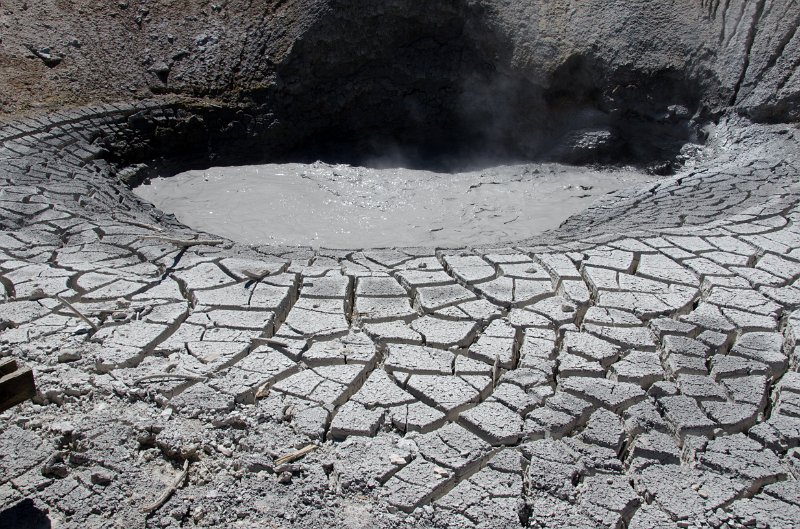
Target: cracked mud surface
(635,367)
(343,206)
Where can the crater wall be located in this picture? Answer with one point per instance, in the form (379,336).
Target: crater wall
(567,79)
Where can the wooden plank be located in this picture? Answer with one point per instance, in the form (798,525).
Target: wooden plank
(7,366)
(16,387)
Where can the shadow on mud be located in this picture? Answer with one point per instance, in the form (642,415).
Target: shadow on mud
(24,515)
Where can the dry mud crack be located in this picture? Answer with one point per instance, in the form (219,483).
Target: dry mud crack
(636,367)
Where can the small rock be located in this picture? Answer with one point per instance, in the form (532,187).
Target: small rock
(48,57)
(285,478)
(161,69)
(55,467)
(256,273)
(69,356)
(407,444)
(397,459)
(441,472)
(37,293)
(256,464)
(63,427)
(292,468)
(102,478)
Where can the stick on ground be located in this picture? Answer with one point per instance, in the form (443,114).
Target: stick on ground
(270,341)
(80,314)
(168,376)
(170,491)
(182,243)
(293,456)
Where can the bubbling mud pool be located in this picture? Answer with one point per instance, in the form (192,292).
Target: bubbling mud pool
(342,206)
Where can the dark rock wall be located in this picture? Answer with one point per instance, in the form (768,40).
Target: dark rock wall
(519,77)
(760,51)
(588,80)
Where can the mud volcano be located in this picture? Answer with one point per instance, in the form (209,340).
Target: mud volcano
(627,360)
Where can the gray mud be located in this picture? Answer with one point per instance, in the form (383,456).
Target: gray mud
(341,206)
(638,367)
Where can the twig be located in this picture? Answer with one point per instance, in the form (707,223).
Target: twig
(167,493)
(80,314)
(182,243)
(270,341)
(144,225)
(168,376)
(136,223)
(293,456)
